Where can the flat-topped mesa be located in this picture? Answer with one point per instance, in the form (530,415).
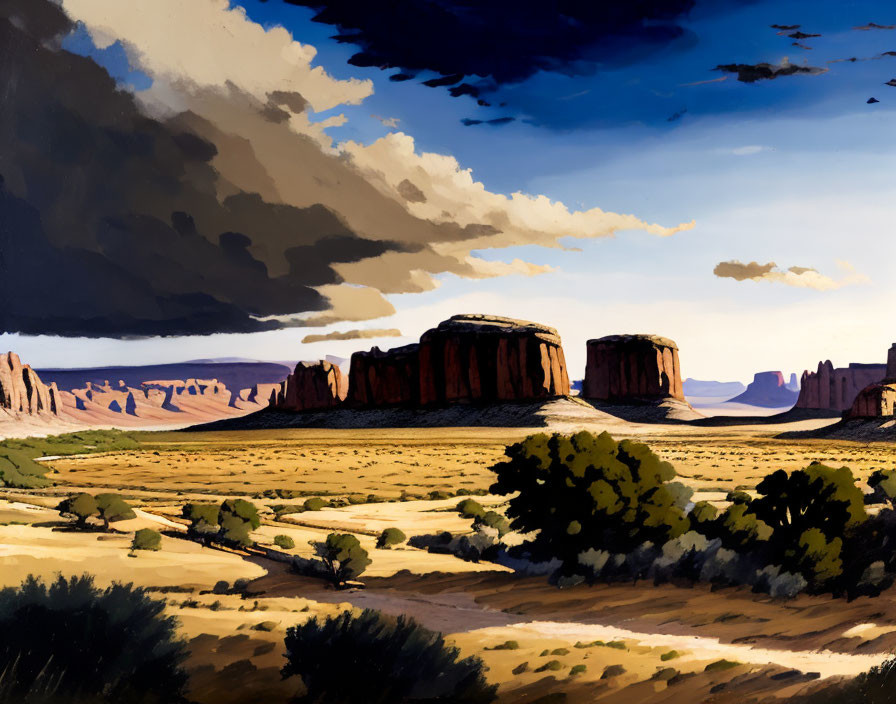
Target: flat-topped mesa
(767,390)
(22,391)
(488,359)
(622,368)
(312,386)
(833,389)
(385,377)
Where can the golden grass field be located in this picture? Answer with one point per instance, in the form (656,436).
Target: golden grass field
(236,643)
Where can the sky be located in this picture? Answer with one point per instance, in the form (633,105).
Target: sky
(225,179)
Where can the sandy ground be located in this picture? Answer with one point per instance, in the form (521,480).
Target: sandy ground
(775,647)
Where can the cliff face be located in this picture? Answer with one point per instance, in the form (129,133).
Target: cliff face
(312,386)
(874,401)
(632,368)
(385,378)
(835,389)
(21,390)
(767,390)
(484,359)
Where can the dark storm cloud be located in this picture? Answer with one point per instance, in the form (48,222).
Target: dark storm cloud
(99,208)
(750,73)
(505,41)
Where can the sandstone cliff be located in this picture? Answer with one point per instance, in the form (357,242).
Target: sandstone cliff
(835,389)
(486,358)
(385,378)
(874,401)
(21,390)
(622,368)
(312,386)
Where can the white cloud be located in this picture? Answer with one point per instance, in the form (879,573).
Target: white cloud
(797,276)
(749,150)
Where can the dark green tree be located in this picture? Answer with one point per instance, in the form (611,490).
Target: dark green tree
(812,512)
(343,557)
(204,521)
(72,643)
(113,508)
(82,506)
(377,659)
(238,518)
(588,491)
(816,497)
(390,537)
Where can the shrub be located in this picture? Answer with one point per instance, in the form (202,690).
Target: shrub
(314,504)
(810,512)
(470,508)
(612,671)
(284,541)
(113,508)
(147,539)
(873,687)
(506,645)
(588,491)
(81,506)
(238,518)
(578,669)
(390,537)
(391,660)
(73,642)
(203,520)
(493,519)
(343,557)
(552,665)
(229,523)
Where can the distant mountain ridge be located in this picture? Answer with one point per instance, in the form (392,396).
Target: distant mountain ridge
(234,375)
(712,389)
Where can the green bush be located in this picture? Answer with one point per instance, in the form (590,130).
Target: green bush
(470,508)
(343,558)
(314,504)
(612,671)
(113,508)
(390,537)
(230,523)
(495,520)
(578,669)
(810,512)
(588,491)
(80,506)
(71,642)
(147,539)
(284,541)
(377,659)
(551,665)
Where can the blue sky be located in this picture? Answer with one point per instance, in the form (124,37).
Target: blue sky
(796,170)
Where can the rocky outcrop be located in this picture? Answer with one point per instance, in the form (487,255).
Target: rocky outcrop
(385,378)
(622,368)
(487,359)
(312,386)
(767,390)
(833,389)
(21,390)
(874,401)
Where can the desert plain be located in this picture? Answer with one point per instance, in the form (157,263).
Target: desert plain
(606,642)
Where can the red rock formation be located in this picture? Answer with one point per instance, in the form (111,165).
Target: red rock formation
(312,386)
(385,378)
(833,389)
(486,358)
(874,401)
(632,367)
(22,391)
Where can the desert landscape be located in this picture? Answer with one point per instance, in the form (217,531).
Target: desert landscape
(321,460)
